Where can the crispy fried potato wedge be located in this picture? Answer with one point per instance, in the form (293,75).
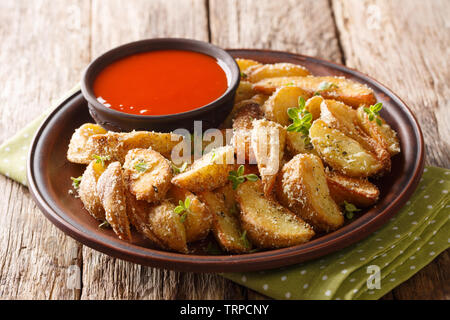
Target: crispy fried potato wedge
(198,220)
(138,212)
(244,91)
(147,174)
(351,93)
(244,64)
(77,152)
(275,108)
(226,227)
(116,145)
(167,226)
(302,187)
(267,142)
(111,191)
(268,224)
(88,190)
(296,143)
(343,153)
(276,70)
(383,134)
(209,172)
(258,99)
(242,131)
(344,118)
(359,192)
(313,106)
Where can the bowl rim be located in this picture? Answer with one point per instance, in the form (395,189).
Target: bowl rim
(246,262)
(97,65)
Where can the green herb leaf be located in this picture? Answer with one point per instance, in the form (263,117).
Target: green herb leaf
(179,169)
(350,209)
(237,177)
(244,239)
(325,86)
(183,208)
(101,159)
(141,166)
(301,118)
(76,182)
(373,113)
(213,249)
(104,225)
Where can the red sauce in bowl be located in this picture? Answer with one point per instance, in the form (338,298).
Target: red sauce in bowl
(161,82)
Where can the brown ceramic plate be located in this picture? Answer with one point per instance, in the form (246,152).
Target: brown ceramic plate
(49,180)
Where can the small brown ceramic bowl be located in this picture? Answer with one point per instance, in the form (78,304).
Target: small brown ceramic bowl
(211,114)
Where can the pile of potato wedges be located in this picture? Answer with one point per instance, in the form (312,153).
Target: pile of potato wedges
(282,187)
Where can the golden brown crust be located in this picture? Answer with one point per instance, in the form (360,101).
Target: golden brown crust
(244,91)
(351,93)
(267,142)
(209,172)
(268,224)
(302,187)
(167,226)
(77,152)
(242,126)
(198,219)
(88,190)
(282,69)
(147,174)
(359,192)
(111,191)
(226,227)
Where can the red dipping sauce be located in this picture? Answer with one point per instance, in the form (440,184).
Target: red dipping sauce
(161,82)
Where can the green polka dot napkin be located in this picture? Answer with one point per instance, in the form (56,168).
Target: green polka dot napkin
(366,270)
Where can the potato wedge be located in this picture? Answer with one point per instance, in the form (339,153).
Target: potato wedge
(226,227)
(276,70)
(296,143)
(275,108)
(111,191)
(258,99)
(313,106)
(359,192)
(209,172)
(302,187)
(268,224)
(116,145)
(198,220)
(77,152)
(344,118)
(343,153)
(244,64)
(167,226)
(351,93)
(242,132)
(138,212)
(88,190)
(267,142)
(383,134)
(244,91)
(147,174)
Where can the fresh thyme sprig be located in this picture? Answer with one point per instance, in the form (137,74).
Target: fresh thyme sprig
(237,177)
(301,119)
(101,159)
(76,182)
(105,224)
(325,86)
(141,166)
(244,239)
(374,112)
(183,208)
(350,209)
(179,169)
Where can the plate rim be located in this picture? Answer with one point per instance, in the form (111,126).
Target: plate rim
(234,263)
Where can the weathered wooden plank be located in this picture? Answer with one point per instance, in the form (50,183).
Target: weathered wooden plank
(305,27)
(405,45)
(39,59)
(114,23)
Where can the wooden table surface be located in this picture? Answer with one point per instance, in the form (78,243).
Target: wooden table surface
(45,45)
